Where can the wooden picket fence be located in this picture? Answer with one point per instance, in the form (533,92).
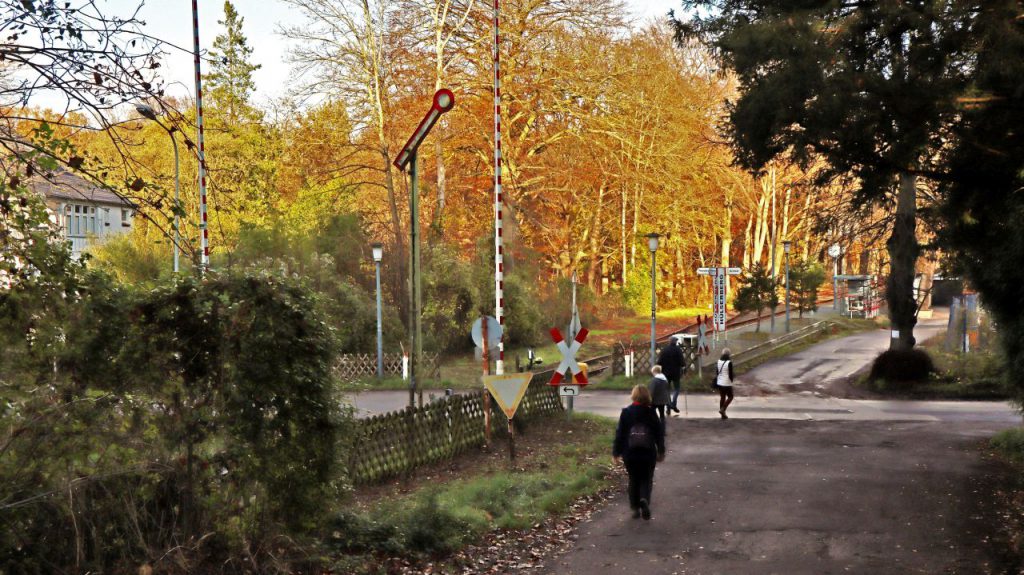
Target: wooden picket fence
(356,366)
(394,444)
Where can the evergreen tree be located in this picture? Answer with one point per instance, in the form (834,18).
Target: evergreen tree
(868,86)
(804,280)
(984,196)
(757,291)
(230,82)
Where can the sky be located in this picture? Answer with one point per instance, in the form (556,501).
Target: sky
(171,20)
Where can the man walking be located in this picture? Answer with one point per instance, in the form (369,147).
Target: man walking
(671,361)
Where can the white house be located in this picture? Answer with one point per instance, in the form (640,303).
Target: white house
(85,213)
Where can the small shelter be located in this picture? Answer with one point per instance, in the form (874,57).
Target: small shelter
(858,296)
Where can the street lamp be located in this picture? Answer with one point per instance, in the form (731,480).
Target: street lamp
(652,244)
(378,255)
(148,112)
(785,249)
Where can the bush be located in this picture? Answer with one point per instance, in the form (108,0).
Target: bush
(902,368)
(197,416)
(1010,443)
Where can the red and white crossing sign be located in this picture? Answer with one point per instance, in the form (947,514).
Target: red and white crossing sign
(568,362)
(720,283)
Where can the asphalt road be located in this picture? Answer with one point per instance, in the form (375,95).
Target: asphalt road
(820,366)
(798,482)
(753,496)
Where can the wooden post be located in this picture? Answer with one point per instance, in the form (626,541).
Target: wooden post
(511,442)
(487,371)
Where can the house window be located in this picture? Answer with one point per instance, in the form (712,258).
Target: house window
(125,216)
(80,220)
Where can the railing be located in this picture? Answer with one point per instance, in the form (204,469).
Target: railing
(771,345)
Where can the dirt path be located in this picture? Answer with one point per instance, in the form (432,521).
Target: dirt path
(793,497)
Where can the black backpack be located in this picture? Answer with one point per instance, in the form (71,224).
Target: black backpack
(641,436)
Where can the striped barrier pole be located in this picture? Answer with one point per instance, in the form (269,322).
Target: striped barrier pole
(499,264)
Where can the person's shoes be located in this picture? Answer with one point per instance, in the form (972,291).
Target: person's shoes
(645,510)
(722,413)
(675,409)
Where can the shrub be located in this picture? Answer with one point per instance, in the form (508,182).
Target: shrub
(902,368)
(197,416)
(1010,443)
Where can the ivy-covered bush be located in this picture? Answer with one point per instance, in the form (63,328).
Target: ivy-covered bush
(186,426)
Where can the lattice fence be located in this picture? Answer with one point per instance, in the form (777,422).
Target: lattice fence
(394,444)
(355,366)
(642,359)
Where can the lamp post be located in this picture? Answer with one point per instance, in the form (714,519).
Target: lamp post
(652,244)
(378,255)
(785,249)
(147,111)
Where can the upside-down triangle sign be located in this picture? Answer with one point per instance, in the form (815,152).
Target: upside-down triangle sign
(508,390)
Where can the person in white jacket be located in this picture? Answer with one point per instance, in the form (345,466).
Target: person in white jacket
(723,381)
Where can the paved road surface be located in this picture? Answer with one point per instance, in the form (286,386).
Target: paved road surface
(819,366)
(800,483)
(798,497)
(857,486)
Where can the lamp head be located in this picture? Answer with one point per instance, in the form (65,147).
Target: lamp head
(378,251)
(785,245)
(652,242)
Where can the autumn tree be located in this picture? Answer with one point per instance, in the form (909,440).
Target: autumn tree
(89,62)
(342,52)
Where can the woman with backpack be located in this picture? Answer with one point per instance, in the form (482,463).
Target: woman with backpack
(640,444)
(723,381)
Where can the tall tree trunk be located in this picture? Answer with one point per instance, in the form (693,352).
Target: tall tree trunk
(625,197)
(747,243)
(903,252)
(595,227)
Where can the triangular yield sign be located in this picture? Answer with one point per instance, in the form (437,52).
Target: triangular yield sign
(508,390)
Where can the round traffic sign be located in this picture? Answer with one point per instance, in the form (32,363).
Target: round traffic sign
(493,332)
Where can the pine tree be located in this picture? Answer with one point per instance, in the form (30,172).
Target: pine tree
(757,291)
(867,86)
(230,82)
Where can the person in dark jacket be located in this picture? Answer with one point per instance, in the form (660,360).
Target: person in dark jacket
(640,444)
(671,361)
(659,392)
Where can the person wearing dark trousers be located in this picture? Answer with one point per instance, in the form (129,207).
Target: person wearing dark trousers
(671,361)
(659,392)
(639,444)
(723,381)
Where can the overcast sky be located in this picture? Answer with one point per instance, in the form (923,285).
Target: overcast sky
(171,20)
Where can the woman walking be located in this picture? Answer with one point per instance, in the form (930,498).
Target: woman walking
(660,397)
(723,381)
(640,444)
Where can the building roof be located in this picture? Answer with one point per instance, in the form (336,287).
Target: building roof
(66,186)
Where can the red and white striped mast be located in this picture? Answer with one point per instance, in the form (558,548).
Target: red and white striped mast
(204,258)
(499,265)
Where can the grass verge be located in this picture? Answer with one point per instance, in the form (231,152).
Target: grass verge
(976,375)
(439,512)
